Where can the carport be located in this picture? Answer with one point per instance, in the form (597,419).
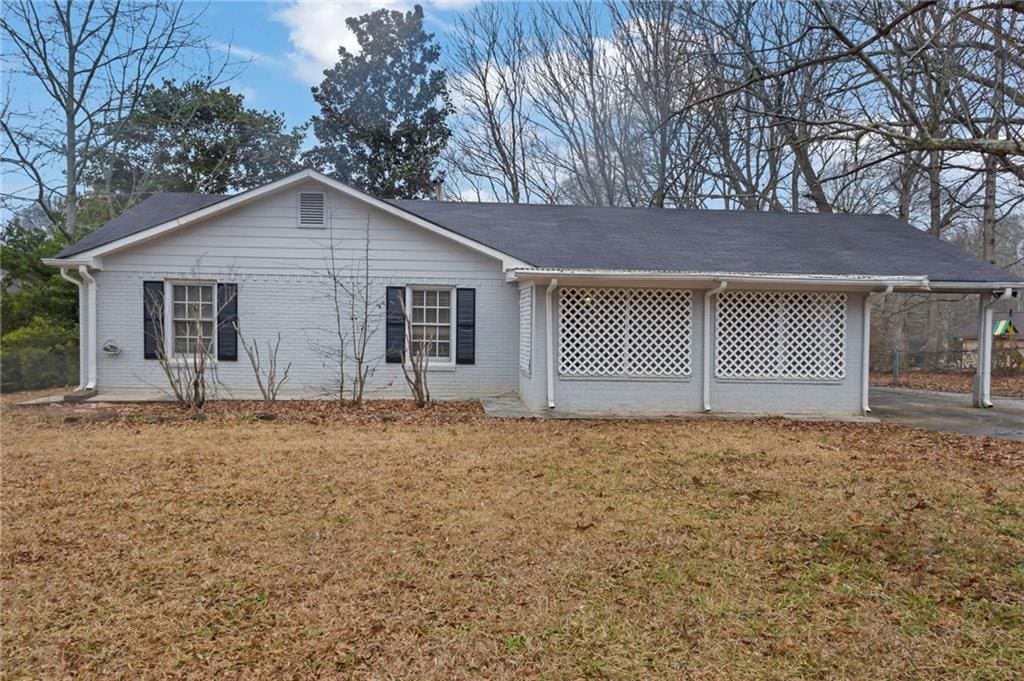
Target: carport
(989,294)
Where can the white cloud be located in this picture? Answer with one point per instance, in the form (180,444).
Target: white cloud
(238,52)
(317,29)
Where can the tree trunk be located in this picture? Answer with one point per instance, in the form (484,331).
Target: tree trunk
(988,216)
(71,143)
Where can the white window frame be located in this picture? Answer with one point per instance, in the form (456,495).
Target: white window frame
(432,362)
(169,338)
(298,211)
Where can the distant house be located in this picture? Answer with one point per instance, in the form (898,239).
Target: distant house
(1007,340)
(583,309)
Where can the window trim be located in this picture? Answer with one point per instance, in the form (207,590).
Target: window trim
(169,285)
(432,362)
(298,211)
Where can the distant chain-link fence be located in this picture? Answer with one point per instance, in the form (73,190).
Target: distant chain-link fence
(1005,361)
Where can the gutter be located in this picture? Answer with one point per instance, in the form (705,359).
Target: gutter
(986,338)
(705,374)
(865,386)
(81,345)
(91,281)
(764,278)
(549,341)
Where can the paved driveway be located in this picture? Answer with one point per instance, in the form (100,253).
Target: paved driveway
(949,412)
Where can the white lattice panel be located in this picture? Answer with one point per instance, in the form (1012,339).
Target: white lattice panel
(781,334)
(525,328)
(624,332)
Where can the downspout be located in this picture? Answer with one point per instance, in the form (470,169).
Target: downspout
(81,329)
(985,336)
(91,281)
(549,341)
(865,381)
(705,373)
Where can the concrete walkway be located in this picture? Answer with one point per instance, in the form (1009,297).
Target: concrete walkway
(949,412)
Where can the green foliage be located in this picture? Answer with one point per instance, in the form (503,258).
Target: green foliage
(194,138)
(514,644)
(41,354)
(29,288)
(382,123)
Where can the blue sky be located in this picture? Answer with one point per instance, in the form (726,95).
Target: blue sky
(288,44)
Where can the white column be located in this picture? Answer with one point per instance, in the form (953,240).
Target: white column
(982,392)
(865,379)
(549,341)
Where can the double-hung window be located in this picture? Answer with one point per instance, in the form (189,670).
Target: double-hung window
(193,316)
(430,312)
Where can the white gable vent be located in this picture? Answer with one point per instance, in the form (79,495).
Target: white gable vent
(311,209)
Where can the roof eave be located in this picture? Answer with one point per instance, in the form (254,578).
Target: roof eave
(860,282)
(73,261)
(976,286)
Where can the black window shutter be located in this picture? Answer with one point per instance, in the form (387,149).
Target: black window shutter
(152,318)
(465,326)
(227,317)
(394,344)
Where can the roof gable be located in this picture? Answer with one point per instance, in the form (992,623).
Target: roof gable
(136,225)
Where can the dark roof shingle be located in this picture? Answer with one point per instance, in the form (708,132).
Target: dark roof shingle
(582,237)
(150,212)
(653,239)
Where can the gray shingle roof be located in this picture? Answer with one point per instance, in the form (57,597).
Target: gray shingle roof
(150,212)
(585,237)
(708,240)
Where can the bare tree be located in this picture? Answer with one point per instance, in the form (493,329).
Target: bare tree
(334,351)
(497,143)
(90,62)
(356,299)
(364,302)
(416,360)
(579,104)
(189,368)
(268,380)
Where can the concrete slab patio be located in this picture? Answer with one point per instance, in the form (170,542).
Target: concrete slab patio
(949,412)
(511,407)
(945,412)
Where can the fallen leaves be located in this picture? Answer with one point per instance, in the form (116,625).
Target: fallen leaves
(392,541)
(1003,385)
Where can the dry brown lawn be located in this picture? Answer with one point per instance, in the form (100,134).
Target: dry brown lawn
(395,544)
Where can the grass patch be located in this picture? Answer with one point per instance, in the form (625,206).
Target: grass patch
(393,543)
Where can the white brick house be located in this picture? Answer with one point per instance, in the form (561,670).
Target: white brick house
(603,310)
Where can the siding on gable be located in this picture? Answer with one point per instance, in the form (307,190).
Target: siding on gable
(263,237)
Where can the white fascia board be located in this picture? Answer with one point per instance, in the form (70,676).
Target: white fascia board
(232,202)
(74,262)
(975,286)
(861,282)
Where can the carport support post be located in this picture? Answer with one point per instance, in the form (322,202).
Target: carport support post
(981,395)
